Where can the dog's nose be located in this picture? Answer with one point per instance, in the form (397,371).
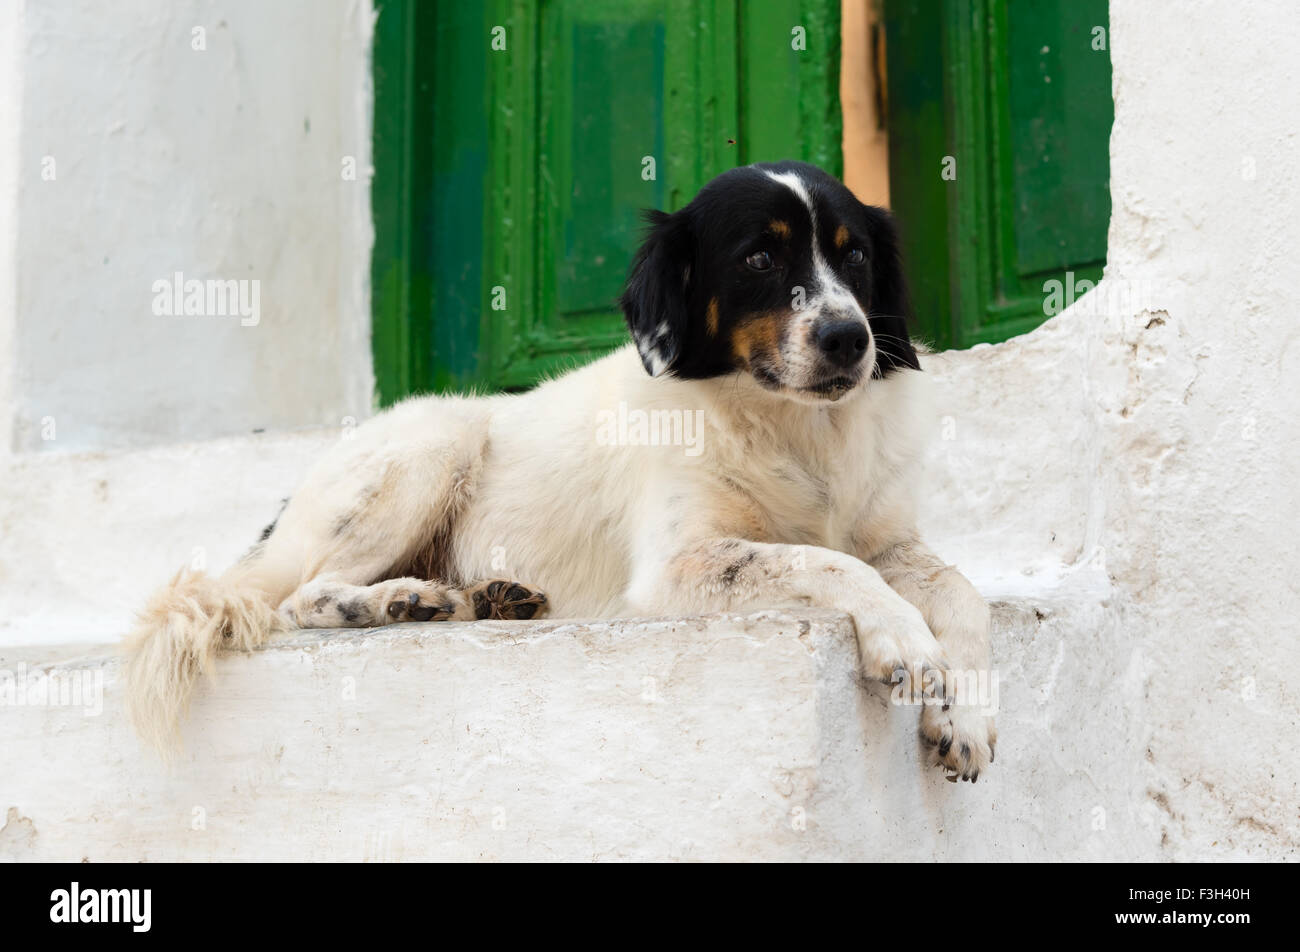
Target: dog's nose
(842,342)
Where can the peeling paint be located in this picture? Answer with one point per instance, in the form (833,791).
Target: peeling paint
(17,836)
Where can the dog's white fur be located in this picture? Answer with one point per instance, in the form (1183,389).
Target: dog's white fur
(787,502)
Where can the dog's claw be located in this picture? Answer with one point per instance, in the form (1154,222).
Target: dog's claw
(961,740)
(420,612)
(409,605)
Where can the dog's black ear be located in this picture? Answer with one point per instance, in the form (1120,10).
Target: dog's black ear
(654,300)
(890,306)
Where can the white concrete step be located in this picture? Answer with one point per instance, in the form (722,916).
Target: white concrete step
(708,738)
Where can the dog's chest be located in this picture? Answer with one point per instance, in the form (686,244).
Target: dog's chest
(796,499)
(806,480)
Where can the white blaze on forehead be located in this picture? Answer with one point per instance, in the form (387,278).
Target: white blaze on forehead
(795,184)
(828,287)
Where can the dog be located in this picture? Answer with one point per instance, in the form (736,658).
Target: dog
(772,309)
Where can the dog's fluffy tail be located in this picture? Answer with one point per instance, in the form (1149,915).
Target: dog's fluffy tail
(175,639)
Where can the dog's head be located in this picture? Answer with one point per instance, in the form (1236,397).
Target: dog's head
(778,271)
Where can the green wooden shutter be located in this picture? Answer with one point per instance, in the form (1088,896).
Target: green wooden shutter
(516,175)
(598,88)
(427,194)
(1018,93)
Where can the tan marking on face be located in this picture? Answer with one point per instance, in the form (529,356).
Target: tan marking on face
(711,315)
(779,228)
(841,237)
(759,335)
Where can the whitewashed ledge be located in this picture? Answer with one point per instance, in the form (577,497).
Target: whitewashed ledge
(728,737)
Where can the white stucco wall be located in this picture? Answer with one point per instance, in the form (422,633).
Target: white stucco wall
(139,156)
(11,78)
(1149,440)
(1121,482)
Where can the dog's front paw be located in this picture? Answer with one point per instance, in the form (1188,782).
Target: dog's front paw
(901,650)
(961,738)
(413,599)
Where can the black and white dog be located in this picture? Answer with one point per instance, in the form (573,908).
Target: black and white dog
(770,310)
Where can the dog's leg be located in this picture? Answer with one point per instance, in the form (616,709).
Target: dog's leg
(332,602)
(382,505)
(962,734)
(723,574)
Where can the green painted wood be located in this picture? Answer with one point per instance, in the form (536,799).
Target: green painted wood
(509,183)
(427,196)
(390,275)
(602,93)
(1058,118)
(1015,92)
(789,97)
(613,84)
(918,109)
(452,210)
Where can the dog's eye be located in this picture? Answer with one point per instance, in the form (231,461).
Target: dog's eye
(759,261)
(855,257)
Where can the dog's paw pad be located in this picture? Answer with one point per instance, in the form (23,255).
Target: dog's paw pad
(504,599)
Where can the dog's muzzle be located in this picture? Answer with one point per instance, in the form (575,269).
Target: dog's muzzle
(841,342)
